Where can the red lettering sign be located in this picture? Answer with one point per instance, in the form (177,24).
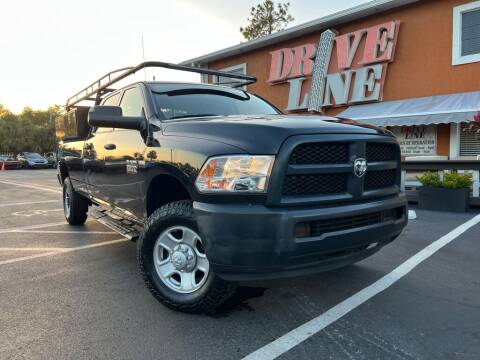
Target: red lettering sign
(380,43)
(291,63)
(347,46)
(302,60)
(281,65)
(357,76)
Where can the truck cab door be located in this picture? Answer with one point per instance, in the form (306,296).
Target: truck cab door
(94,156)
(71,153)
(94,162)
(124,179)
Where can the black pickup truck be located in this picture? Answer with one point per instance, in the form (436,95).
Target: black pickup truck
(223,187)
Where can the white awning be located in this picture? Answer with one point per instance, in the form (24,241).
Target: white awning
(444,109)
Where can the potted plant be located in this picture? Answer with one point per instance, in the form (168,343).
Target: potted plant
(450,194)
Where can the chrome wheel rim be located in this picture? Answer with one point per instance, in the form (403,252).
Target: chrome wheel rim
(180,259)
(67,203)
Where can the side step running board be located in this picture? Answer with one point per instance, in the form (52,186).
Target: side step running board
(124,227)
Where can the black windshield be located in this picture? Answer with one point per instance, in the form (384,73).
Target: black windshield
(187,103)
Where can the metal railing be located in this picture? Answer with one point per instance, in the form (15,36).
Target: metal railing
(98,88)
(442,166)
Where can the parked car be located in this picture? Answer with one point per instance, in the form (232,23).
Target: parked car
(31,160)
(224,187)
(52,159)
(9,162)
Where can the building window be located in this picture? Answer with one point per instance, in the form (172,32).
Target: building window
(240,69)
(466,33)
(469,142)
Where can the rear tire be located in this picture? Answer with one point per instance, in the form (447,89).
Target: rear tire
(75,206)
(173,263)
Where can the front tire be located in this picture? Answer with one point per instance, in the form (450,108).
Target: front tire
(75,206)
(173,262)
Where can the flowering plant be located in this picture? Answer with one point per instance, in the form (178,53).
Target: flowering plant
(474,126)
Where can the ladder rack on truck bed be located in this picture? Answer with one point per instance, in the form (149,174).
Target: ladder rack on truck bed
(102,86)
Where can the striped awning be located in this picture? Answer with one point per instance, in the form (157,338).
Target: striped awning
(444,109)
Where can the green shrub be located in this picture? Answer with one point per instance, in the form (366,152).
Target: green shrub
(430,179)
(451,180)
(457,181)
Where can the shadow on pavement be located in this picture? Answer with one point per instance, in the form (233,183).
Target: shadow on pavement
(238,301)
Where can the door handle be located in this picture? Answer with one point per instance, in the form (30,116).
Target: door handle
(110,146)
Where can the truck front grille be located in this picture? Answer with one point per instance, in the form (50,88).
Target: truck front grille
(380,152)
(317,153)
(380,179)
(315,184)
(317,169)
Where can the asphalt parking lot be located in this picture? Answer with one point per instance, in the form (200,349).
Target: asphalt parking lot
(74,293)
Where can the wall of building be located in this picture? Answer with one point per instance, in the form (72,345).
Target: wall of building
(423,58)
(422,64)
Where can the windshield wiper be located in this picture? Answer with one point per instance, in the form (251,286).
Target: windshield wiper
(191,116)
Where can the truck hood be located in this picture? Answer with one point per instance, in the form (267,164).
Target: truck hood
(264,134)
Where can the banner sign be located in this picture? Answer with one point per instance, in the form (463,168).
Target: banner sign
(416,140)
(341,70)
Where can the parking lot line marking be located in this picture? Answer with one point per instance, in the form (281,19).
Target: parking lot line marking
(30,213)
(293,338)
(30,203)
(67,250)
(31,227)
(32,186)
(30,257)
(32,249)
(64,232)
(34,229)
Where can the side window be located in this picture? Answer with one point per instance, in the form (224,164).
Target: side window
(109,101)
(132,102)
(112,100)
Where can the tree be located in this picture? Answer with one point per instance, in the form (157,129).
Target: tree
(266,18)
(31,130)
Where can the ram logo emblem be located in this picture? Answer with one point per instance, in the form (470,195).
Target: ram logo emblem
(359,167)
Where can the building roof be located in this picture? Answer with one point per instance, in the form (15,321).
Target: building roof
(341,17)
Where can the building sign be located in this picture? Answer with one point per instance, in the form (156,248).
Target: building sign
(341,70)
(417,140)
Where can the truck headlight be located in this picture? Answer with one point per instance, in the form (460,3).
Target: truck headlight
(235,174)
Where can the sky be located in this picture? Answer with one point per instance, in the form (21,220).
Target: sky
(51,49)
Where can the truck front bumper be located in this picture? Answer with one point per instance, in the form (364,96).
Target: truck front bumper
(251,242)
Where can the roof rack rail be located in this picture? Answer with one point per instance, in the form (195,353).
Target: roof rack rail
(102,86)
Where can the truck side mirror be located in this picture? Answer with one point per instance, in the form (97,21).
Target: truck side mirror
(111,117)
